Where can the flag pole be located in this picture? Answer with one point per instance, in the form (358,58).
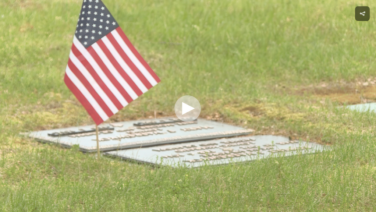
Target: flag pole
(96,129)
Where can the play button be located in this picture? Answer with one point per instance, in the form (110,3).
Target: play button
(187,108)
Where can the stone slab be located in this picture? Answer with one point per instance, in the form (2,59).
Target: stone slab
(135,134)
(371,107)
(218,151)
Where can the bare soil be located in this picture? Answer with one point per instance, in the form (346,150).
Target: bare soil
(360,91)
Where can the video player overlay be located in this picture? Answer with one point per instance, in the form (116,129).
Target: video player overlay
(136,134)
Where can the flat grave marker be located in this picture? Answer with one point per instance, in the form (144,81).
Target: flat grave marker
(218,151)
(139,133)
(363,107)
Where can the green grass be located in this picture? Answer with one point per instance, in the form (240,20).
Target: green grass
(230,55)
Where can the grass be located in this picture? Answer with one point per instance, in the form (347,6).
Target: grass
(241,59)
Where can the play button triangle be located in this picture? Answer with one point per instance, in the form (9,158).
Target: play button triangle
(186,108)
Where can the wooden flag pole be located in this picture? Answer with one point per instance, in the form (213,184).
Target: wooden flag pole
(96,129)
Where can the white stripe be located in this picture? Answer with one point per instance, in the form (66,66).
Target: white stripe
(86,94)
(124,65)
(93,83)
(99,71)
(114,72)
(133,58)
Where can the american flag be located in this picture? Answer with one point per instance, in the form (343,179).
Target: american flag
(105,72)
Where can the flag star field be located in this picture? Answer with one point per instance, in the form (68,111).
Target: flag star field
(95,22)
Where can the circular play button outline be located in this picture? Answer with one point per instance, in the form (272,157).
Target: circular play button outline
(187,108)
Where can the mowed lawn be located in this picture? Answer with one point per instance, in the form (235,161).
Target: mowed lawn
(250,63)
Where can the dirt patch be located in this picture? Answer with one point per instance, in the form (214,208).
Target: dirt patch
(342,92)
(26,27)
(253,111)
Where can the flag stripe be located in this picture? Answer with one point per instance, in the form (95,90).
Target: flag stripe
(81,88)
(136,58)
(84,76)
(113,71)
(117,67)
(97,79)
(111,77)
(81,98)
(89,88)
(129,63)
(123,65)
(100,71)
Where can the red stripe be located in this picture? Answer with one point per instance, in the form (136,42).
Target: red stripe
(128,61)
(96,77)
(135,52)
(109,75)
(90,88)
(119,68)
(82,99)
